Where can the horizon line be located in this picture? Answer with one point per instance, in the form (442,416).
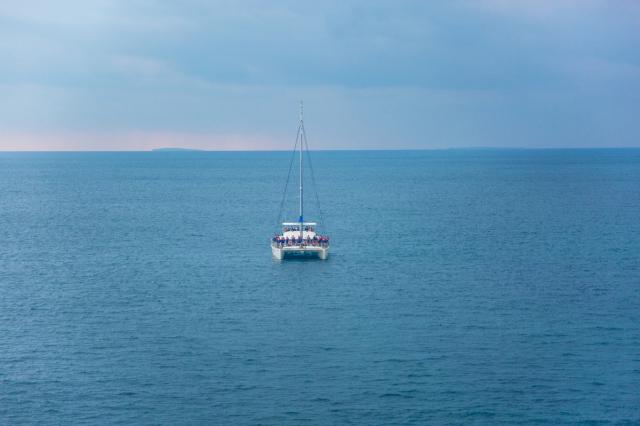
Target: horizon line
(189,150)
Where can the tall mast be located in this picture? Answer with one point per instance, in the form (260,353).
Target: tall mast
(301,190)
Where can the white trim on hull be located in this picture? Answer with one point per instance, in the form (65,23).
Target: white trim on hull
(300,252)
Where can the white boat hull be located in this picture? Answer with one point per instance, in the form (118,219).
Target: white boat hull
(300,252)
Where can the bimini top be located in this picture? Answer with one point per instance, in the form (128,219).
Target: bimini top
(298,224)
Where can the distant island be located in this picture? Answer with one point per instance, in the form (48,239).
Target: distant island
(175,149)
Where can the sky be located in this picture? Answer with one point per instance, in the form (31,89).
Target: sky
(373,74)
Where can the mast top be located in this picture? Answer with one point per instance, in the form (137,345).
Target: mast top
(301,110)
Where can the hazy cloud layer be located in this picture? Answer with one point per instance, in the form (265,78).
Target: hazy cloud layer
(373,74)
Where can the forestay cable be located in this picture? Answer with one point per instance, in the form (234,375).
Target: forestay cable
(313,178)
(284,194)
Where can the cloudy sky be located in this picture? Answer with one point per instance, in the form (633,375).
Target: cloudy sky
(135,75)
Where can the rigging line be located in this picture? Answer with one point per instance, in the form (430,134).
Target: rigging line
(284,193)
(313,178)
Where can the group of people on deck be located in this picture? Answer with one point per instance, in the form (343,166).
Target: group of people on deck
(317,240)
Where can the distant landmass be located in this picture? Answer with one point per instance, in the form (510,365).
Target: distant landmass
(175,149)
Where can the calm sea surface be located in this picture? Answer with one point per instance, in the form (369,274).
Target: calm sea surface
(463,286)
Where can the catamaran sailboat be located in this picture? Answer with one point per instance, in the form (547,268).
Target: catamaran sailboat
(299,239)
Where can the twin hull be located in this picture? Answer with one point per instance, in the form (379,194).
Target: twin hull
(300,252)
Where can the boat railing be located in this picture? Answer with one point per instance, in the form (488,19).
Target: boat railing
(297,243)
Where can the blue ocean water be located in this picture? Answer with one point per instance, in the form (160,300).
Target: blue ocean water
(470,286)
